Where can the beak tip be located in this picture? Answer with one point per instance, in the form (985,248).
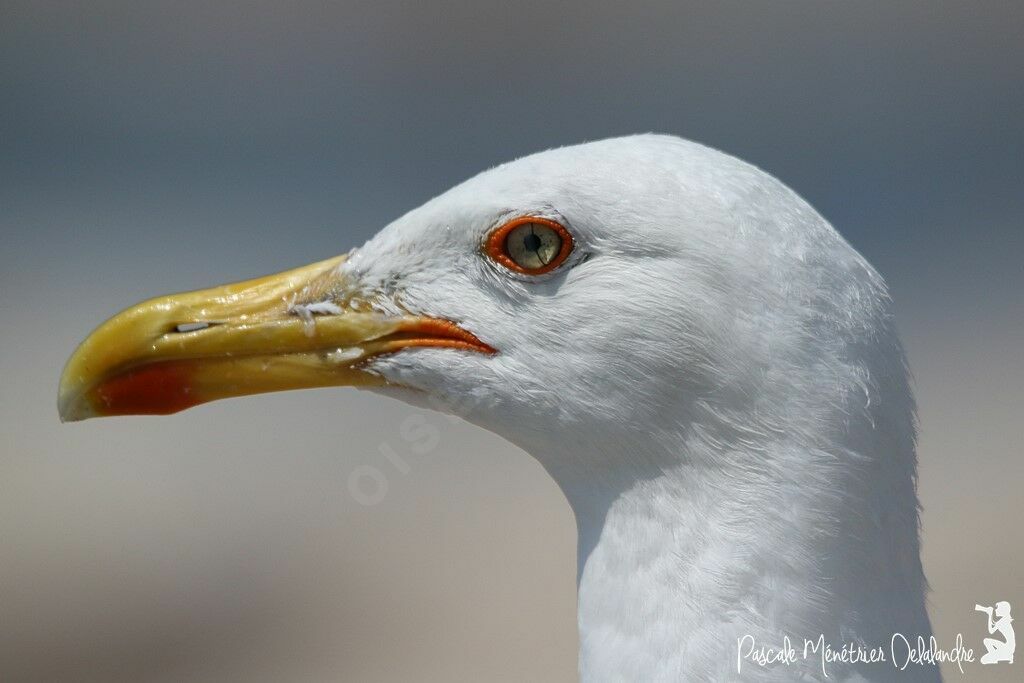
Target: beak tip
(72,405)
(71,410)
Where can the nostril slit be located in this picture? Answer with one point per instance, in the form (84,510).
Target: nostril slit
(191,327)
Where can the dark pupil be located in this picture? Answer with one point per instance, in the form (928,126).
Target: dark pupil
(531,242)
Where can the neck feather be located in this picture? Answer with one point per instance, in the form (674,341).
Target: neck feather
(679,558)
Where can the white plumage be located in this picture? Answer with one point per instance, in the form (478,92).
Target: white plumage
(716,385)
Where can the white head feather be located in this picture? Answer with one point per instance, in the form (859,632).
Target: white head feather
(713,379)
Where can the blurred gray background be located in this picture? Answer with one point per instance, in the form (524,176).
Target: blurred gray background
(148,148)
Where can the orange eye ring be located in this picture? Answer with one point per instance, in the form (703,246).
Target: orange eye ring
(497,245)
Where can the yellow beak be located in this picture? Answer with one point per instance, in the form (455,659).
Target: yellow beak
(293,330)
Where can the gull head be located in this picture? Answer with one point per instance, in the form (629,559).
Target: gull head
(637,285)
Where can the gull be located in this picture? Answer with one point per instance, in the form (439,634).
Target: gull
(706,368)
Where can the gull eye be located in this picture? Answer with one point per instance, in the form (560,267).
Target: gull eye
(530,245)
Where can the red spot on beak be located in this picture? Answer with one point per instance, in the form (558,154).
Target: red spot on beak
(158,389)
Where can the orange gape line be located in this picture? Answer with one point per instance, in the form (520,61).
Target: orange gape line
(391,346)
(439,333)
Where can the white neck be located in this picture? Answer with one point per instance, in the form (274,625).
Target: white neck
(678,560)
